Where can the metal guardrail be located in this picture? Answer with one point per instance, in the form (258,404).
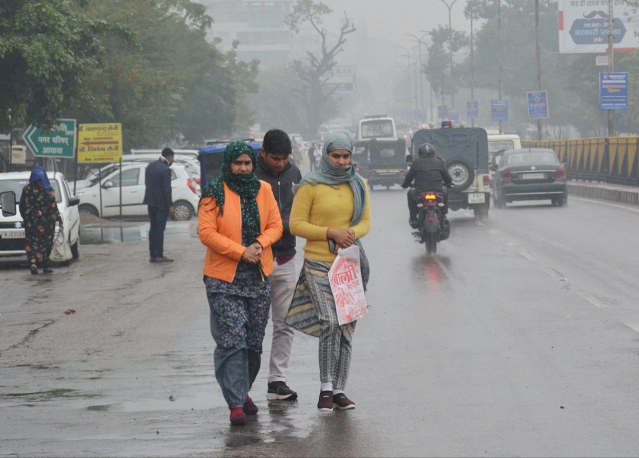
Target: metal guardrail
(609,160)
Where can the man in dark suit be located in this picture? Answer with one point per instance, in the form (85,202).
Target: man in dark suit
(158,198)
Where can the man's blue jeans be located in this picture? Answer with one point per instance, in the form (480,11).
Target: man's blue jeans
(158,220)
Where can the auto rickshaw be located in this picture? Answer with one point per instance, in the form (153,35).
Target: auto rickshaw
(387,162)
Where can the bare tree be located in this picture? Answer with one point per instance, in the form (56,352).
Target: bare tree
(315,71)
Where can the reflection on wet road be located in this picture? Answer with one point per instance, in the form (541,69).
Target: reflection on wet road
(518,338)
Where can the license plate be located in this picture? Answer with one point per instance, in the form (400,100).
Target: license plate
(476,198)
(12,234)
(534,176)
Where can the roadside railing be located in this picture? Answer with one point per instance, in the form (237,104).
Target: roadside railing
(610,160)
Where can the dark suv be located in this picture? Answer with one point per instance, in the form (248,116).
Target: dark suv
(465,152)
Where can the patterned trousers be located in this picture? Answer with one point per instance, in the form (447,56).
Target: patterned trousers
(335,341)
(237,325)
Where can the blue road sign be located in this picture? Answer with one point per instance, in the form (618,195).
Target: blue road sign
(472,109)
(613,91)
(453,115)
(499,110)
(538,105)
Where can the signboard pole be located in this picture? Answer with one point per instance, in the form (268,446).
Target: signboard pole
(611,66)
(100,184)
(75,174)
(120,188)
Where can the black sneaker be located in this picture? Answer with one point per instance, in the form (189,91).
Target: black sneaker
(34,269)
(413,223)
(280,391)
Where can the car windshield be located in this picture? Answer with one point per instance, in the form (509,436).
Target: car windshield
(500,145)
(380,128)
(18,185)
(531,158)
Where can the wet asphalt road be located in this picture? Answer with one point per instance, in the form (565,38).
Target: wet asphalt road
(521,337)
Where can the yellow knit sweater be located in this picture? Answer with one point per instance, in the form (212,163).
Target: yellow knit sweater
(318,208)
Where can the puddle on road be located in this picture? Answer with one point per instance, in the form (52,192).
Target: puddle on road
(91,235)
(43,396)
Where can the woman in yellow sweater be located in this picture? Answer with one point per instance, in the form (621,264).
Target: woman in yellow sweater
(331,210)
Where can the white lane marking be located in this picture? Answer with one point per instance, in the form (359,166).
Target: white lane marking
(479,223)
(592,299)
(495,232)
(528,256)
(445,269)
(607,204)
(633,326)
(556,275)
(508,243)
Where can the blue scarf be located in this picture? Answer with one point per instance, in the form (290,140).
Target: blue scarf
(40,174)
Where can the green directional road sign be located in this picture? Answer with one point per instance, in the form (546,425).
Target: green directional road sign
(58,142)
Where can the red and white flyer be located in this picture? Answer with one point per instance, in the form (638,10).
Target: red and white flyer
(345,277)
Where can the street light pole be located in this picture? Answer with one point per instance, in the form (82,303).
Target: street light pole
(421,68)
(408,70)
(539,136)
(611,65)
(450,45)
(472,65)
(499,64)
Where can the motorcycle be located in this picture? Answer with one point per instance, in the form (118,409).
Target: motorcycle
(431,225)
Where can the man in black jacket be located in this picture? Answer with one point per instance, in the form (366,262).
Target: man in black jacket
(157,197)
(274,167)
(429,174)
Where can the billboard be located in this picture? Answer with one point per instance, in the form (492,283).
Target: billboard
(613,91)
(538,105)
(583,26)
(499,110)
(342,76)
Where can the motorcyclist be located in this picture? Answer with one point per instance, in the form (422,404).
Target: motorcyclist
(429,174)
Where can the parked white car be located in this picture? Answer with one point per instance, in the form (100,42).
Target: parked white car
(12,237)
(184,190)
(189,161)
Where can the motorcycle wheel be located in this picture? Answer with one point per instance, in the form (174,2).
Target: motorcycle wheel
(431,245)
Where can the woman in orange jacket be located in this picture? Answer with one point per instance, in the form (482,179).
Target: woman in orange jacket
(238,221)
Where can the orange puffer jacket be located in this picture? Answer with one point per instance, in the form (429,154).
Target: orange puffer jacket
(222,235)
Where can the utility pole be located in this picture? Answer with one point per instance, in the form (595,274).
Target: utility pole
(539,136)
(472,64)
(611,65)
(450,45)
(499,64)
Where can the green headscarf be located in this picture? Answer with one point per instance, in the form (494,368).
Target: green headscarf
(246,186)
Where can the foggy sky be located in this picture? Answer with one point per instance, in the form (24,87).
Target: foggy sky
(392,19)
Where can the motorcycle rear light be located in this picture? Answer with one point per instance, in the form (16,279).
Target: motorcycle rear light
(430,197)
(560,173)
(486,179)
(189,183)
(506,175)
(430,218)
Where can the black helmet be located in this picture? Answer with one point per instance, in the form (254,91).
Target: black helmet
(426,150)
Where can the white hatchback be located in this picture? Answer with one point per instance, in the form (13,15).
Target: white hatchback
(184,193)
(12,238)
